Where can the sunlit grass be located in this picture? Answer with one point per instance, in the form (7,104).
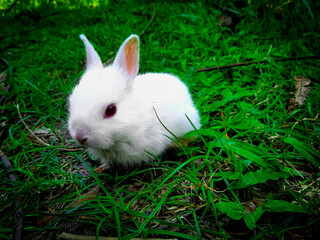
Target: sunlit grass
(17,6)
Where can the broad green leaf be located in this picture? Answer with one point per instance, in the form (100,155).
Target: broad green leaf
(284,206)
(232,209)
(307,151)
(260,176)
(242,121)
(245,150)
(249,220)
(229,175)
(258,212)
(229,96)
(249,123)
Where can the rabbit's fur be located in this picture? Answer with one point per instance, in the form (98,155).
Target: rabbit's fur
(133,134)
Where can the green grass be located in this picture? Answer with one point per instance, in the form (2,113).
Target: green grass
(254,170)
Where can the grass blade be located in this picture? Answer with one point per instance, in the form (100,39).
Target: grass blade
(309,9)
(260,176)
(307,151)
(171,174)
(245,150)
(284,206)
(232,209)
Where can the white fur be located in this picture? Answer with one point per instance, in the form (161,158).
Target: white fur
(134,133)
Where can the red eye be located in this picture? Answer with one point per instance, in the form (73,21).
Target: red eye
(110,111)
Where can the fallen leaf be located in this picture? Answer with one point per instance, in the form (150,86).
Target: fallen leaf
(45,134)
(225,19)
(302,90)
(86,197)
(82,170)
(135,186)
(44,131)
(229,18)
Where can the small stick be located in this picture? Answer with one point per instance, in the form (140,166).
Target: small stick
(39,140)
(141,34)
(26,126)
(151,20)
(255,62)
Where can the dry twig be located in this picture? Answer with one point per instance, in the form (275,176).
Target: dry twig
(255,62)
(151,20)
(26,126)
(39,140)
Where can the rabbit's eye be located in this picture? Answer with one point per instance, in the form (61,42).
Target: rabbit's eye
(110,111)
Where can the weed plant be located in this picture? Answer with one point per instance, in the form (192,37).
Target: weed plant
(252,173)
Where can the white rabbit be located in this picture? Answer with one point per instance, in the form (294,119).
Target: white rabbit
(115,112)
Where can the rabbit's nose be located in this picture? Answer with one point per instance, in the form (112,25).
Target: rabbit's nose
(81,138)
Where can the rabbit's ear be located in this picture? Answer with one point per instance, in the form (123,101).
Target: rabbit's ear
(93,59)
(127,58)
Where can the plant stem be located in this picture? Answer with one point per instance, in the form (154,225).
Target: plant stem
(255,62)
